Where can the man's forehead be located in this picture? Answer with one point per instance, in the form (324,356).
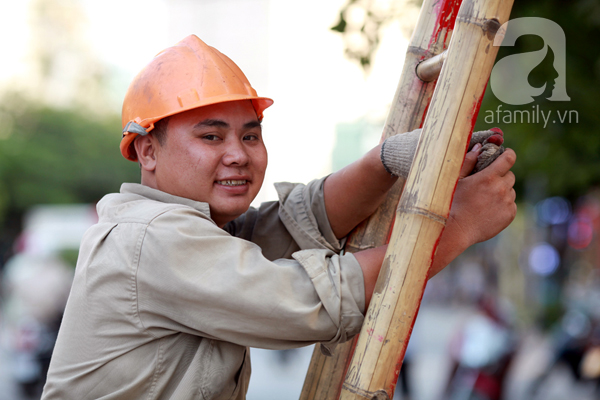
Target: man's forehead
(219,123)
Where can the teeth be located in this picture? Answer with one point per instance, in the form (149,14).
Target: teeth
(232,183)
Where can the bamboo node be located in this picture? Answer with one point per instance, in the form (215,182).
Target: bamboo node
(491,27)
(426,213)
(378,395)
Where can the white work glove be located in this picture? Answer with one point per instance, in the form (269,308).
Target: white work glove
(397,152)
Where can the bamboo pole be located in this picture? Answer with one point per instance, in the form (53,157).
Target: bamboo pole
(425,203)
(431,36)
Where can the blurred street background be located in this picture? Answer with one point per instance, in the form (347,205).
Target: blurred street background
(514,318)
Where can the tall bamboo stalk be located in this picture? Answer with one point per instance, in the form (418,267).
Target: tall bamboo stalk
(431,36)
(425,203)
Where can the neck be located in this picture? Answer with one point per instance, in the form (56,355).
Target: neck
(149,179)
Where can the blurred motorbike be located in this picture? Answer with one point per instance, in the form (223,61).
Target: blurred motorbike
(576,348)
(481,354)
(35,289)
(32,350)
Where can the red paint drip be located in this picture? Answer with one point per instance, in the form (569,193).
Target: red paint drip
(392,386)
(477,107)
(426,108)
(474,114)
(447,11)
(447,18)
(389,235)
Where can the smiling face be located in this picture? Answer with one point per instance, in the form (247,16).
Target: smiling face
(214,154)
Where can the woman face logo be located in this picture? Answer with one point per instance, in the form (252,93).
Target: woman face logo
(509,78)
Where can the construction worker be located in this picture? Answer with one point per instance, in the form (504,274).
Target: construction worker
(180,276)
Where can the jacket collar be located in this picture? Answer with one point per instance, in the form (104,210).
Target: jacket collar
(154,194)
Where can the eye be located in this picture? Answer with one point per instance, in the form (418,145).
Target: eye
(210,137)
(251,137)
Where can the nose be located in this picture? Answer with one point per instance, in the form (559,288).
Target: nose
(236,154)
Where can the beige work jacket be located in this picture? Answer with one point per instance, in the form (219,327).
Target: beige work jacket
(165,303)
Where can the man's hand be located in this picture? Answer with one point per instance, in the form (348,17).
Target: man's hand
(484,203)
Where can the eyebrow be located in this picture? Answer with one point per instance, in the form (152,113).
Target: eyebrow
(212,122)
(252,124)
(222,124)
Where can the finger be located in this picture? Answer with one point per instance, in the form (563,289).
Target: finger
(513,195)
(510,178)
(470,161)
(503,163)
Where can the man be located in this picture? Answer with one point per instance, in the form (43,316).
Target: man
(179,276)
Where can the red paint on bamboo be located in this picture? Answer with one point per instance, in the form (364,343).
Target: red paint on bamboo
(426,108)
(447,11)
(476,108)
(392,386)
(389,235)
(474,113)
(473,116)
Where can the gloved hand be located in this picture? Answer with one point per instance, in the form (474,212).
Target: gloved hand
(491,142)
(397,152)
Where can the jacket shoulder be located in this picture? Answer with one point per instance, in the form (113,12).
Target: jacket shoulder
(133,208)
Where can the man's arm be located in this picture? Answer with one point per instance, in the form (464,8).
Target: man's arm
(354,192)
(483,205)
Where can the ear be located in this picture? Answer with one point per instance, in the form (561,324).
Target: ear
(145,147)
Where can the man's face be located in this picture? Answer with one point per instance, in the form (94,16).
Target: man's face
(214,154)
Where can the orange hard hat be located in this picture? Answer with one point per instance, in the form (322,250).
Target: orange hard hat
(189,75)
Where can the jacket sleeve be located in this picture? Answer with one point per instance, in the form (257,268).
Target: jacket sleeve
(195,278)
(297,221)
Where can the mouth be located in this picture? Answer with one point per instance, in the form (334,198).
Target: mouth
(232,182)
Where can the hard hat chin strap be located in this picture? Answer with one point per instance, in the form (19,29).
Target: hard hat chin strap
(134,127)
